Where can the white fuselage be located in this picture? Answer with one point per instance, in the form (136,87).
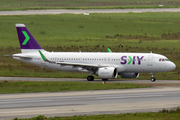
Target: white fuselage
(124,62)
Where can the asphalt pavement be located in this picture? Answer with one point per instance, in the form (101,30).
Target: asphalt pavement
(88,102)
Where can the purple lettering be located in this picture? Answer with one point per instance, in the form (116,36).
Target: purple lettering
(134,59)
(123,58)
(139,59)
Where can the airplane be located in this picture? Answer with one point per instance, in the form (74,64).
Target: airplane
(106,65)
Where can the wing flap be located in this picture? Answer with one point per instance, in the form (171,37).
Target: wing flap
(78,64)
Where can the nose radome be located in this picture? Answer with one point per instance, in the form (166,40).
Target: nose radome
(172,66)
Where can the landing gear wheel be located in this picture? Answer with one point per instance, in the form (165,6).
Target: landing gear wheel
(90,78)
(153,79)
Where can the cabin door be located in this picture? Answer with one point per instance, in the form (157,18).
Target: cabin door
(150,60)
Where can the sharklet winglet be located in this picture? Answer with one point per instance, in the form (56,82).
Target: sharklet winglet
(109,50)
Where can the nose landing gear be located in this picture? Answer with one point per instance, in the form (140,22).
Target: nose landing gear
(152,77)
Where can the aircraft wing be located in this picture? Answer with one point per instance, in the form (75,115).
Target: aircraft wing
(72,64)
(81,64)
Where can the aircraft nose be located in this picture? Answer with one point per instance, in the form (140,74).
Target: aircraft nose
(172,66)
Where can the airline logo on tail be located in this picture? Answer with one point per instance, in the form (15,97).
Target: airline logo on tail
(26,37)
(26,40)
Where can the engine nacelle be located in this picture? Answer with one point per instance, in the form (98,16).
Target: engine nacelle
(107,73)
(129,75)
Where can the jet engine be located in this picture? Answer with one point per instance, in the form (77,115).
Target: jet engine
(129,75)
(107,73)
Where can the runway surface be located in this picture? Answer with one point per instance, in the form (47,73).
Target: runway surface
(40,12)
(88,102)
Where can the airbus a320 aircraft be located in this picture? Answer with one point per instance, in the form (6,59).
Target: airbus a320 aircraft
(106,65)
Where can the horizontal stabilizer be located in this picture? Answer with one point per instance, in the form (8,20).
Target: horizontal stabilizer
(22,56)
(7,55)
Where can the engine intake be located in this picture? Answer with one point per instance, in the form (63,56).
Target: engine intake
(107,73)
(129,75)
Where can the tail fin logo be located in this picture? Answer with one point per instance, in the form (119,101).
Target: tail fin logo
(26,37)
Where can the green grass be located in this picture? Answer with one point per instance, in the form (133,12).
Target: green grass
(72,29)
(125,32)
(85,4)
(8,87)
(165,114)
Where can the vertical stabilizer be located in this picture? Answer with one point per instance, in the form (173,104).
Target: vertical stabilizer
(26,40)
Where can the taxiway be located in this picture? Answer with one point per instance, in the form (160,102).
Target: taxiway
(84,80)
(61,11)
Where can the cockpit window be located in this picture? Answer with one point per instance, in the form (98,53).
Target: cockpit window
(162,59)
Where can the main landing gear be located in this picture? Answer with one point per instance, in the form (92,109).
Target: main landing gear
(90,78)
(152,77)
